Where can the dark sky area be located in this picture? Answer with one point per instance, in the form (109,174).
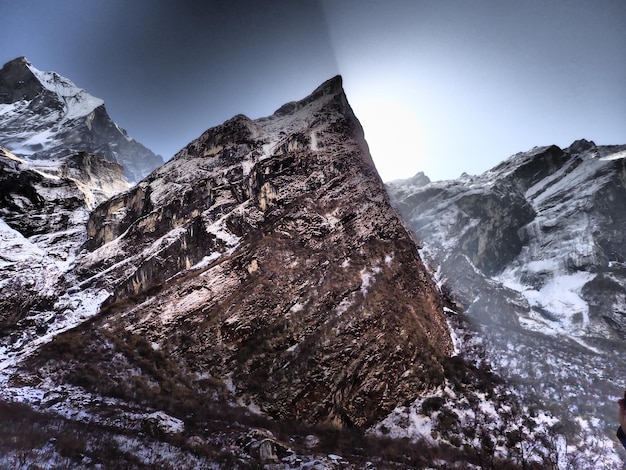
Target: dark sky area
(444,87)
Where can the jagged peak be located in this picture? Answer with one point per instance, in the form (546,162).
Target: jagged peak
(20,80)
(419,179)
(581,145)
(21,60)
(331,87)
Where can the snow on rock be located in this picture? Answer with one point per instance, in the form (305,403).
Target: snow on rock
(533,250)
(78,103)
(45,116)
(162,422)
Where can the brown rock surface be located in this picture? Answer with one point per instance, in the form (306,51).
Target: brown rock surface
(265,254)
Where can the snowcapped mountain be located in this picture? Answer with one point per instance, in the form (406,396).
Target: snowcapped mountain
(534,251)
(44,116)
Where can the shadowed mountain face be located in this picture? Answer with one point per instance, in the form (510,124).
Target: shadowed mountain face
(264,256)
(44,116)
(544,228)
(535,249)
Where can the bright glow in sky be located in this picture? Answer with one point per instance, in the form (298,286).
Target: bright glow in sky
(443,87)
(393,134)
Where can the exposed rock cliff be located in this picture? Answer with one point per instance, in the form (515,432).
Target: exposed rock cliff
(45,116)
(266,254)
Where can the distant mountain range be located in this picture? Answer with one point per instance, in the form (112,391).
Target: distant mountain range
(534,251)
(44,116)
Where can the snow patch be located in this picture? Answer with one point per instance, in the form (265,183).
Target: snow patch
(367,278)
(314,141)
(614,156)
(219,230)
(78,103)
(166,423)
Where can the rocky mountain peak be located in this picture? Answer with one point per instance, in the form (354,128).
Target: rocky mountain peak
(266,256)
(260,279)
(17,81)
(44,116)
(581,145)
(331,87)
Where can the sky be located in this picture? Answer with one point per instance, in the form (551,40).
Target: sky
(440,86)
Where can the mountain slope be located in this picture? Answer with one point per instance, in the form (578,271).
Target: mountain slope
(45,116)
(533,250)
(266,253)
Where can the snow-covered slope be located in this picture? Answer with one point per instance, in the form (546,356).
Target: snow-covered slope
(534,250)
(43,213)
(45,116)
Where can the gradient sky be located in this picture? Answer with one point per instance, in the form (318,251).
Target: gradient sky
(443,87)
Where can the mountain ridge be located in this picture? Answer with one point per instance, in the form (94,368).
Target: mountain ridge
(532,252)
(44,116)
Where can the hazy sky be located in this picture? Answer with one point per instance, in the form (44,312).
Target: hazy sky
(440,86)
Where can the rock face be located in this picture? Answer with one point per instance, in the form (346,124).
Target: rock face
(535,249)
(45,116)
(266,254)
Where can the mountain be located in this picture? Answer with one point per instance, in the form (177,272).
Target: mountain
(258,277)
(256,302)
(43,216)
(44,116)
(274,238)
(533,252)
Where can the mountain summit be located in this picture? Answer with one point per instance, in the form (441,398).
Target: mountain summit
(292,276)
(45,116)
(535,251)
